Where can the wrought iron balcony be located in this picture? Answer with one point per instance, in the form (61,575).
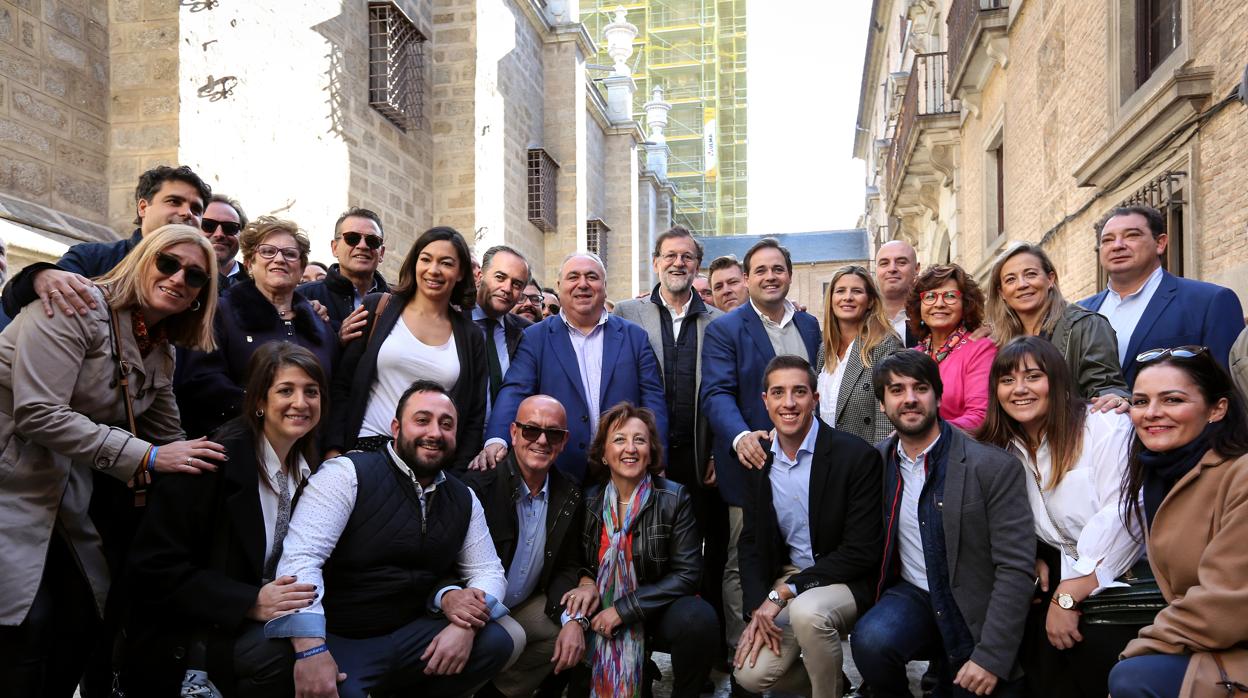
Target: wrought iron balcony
(967,22)
(925,99)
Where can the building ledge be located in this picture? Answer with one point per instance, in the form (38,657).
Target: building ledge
(987,43)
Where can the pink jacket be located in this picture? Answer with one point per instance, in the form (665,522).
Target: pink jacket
(965,375)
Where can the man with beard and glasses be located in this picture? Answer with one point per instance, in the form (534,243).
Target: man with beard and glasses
(529,306)
(222,222)
(375,532)
(504,274)
(954,509)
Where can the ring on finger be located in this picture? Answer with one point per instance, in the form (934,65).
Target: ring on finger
(188,460)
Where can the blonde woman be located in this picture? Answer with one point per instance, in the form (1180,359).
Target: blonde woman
(1024,299)
(63,420)
(856,336)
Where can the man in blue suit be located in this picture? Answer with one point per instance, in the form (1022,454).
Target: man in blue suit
(735,353)
(583,357)
(1149,307)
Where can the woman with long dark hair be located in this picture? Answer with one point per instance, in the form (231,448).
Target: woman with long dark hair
(1187,485)
(419,331)
(1075,460)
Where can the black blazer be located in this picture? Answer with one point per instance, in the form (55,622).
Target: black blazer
(500,488)
(353,381)
(847,535)
(175,589)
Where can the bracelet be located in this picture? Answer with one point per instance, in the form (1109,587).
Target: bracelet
(151,460)
(311,652)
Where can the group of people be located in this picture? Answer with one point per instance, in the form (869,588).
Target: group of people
(243,477)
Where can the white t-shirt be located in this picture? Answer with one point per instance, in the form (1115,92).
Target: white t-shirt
(401,360)
(830,387)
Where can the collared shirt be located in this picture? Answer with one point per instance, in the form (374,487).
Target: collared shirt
(526,565)
(357,298)
(899,323)
(790,494)
(588,349)
(909,537)
(784,335)
(677,314)
(1124,312)
(269,495)
(500,347)
(318,522)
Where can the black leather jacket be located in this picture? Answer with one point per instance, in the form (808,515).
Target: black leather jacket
(667,549)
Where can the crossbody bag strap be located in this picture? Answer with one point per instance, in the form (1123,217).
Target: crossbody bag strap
(1067,544)
(141,478)
(381,308)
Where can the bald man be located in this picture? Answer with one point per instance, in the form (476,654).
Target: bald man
(535,516)
(896,268)
(584,357)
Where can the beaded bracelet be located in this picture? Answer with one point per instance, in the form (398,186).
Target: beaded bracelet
(311,652)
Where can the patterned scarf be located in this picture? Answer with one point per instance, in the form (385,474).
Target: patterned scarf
(959,337)
(144,338)
(618,661)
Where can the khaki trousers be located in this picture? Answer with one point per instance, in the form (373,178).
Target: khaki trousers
(734,624)
(534,635)
(810,658)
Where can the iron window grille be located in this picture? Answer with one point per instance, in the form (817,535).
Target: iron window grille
(396,66)
(542,171)
(1167,192)
(596,238)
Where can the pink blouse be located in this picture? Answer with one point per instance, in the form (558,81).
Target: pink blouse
(964,373)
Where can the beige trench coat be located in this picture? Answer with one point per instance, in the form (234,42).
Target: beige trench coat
(62,416)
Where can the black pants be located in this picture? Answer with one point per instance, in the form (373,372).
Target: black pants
(1079,672)
(45,656)
(711,513)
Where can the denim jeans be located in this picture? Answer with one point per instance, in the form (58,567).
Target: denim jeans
(1148,676)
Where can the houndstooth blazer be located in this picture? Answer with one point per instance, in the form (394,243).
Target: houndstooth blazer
(857,410)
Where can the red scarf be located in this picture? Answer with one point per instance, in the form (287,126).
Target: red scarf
(143,337)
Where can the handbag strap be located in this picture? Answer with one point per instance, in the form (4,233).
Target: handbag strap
(1231,686)
(1067,544)
(381,308)
(141,478)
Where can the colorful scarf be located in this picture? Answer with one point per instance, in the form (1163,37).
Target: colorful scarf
(959,337)
(142,337)
(618,662)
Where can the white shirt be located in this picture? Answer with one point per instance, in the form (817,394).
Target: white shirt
(401,360)
(677,314)
(899,323)
(790,495)
(909,537)
(1085,503)
(269,495)
(1124,312)
(322,515)
(830,387)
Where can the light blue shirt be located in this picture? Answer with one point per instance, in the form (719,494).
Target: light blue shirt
(1124,312)
(500,346)
(790,494)
(526,565)
(588,349)
(909,537)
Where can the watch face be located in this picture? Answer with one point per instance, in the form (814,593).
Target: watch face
(1066,601)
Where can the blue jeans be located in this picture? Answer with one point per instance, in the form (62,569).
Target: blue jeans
(899,628)
(391,664)
(1148,676)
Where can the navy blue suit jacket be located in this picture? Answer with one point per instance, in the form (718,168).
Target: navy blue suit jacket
(735,352)
(546,364)
(1182,311)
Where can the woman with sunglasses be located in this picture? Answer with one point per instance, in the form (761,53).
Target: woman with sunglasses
(64,422)
(856,336)
(418,331)
(945,308)
(265,308)
(1075,460)
(1024,300)
(1187,487)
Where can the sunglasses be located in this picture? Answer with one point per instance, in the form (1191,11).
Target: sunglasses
(353,239)
(229,228)
(1189,351)
(929,297)
(532,433)
(169,265)
(290,254)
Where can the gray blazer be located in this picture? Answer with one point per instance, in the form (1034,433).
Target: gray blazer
(645,313)
(62,417)
(1090,346)
(990,543)
(1238,361)
(857,410)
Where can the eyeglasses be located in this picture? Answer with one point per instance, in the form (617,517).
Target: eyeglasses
(290,254)
(353,239)
(684,258)
(532,433)
(1188,351)
(210,225)
(535,299)
(169,265)
(929,297)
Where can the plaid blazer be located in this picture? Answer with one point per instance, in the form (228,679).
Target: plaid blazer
(857,410)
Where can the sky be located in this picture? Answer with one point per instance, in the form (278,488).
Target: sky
(804,71)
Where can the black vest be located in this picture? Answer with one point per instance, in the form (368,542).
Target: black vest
(680,370)
(388,559)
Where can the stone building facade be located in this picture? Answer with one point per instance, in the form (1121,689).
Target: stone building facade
(270,102)
(988,122)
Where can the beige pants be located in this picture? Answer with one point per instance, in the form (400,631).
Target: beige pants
(810,658)
(534,635)
(733,612)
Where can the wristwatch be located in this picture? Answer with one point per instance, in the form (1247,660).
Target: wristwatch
(583,622)
(1065,601)
(774,597)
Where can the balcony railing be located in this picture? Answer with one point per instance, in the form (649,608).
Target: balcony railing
(925,96)
(961,24)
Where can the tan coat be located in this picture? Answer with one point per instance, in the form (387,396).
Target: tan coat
(57,402)
(1196,548)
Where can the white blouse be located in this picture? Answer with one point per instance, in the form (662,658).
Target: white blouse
(401,360)
(1085,504)
(268,496)
(829,386)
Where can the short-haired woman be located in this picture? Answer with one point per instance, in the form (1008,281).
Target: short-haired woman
(856,336)
(266,308)
(944,309)
(64,419)
(1075,460)
(204,560)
